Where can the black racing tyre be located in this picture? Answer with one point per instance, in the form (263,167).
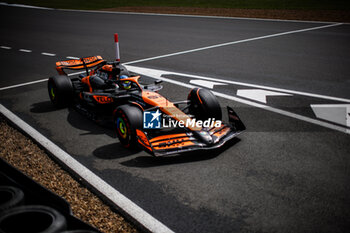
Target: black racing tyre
(204,104)
(126,120)
(10,197)
(34,218)
(60,90)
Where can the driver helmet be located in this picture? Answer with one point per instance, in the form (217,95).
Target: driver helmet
(126,84)
(123,76)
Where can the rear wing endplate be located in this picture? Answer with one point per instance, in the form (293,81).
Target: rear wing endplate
(78,64)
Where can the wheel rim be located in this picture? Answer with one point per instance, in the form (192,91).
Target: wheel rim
(121,126)
(52,91)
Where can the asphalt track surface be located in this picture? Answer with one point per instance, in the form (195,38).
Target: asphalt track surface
(282,175)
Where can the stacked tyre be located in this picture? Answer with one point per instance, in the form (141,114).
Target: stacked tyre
(27,207)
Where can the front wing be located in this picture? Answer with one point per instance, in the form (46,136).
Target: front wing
(178,143)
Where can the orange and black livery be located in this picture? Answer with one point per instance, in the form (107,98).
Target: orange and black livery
(108,91)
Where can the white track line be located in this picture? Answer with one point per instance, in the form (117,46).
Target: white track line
(23,84)
(48,54)
(198,16)
(246,84)
(125,205)
(233,42)
(158,75)
(25,50)
(34,82)
(69,57)
(25,6)
(195,50)
(5,47)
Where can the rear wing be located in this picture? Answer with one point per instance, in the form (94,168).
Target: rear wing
(78,64)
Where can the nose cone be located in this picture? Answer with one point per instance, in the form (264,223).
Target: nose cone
(204,136)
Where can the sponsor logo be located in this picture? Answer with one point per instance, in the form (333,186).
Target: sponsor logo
(209,123)
(152,119)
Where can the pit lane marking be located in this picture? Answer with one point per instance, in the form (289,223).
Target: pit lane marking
(48,54)
(25,50)
(69,57)
(158,74)
(198,49)
(29,51)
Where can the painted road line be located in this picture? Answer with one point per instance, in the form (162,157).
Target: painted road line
(124,204)
(48,54)
(184,75)
(25,50)
(34,82)
(258,94)
(23,84)
(233,43)
(25,6)
(205,83)
(75,58)
(200,16)
(5,47)
(157,74)
(337,113)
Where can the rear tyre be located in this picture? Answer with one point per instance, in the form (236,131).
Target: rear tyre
(126,120)
(204,104)
(34,218)
(60,90)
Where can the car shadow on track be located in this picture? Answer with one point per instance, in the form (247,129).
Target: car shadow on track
(76,119)
(150,161)
(81,122)
(42,107)
(114,151)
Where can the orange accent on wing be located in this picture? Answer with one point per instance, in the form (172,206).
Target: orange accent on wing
(142,139)
(77,64)
(165,146)
(222,132)
(168,137)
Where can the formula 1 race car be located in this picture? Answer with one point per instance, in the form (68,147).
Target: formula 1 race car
(135,109)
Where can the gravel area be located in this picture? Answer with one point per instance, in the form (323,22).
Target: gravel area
(311,15)
(22,153)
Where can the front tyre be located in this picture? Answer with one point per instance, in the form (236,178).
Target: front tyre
(126,120)
(60,90)
(204,104)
